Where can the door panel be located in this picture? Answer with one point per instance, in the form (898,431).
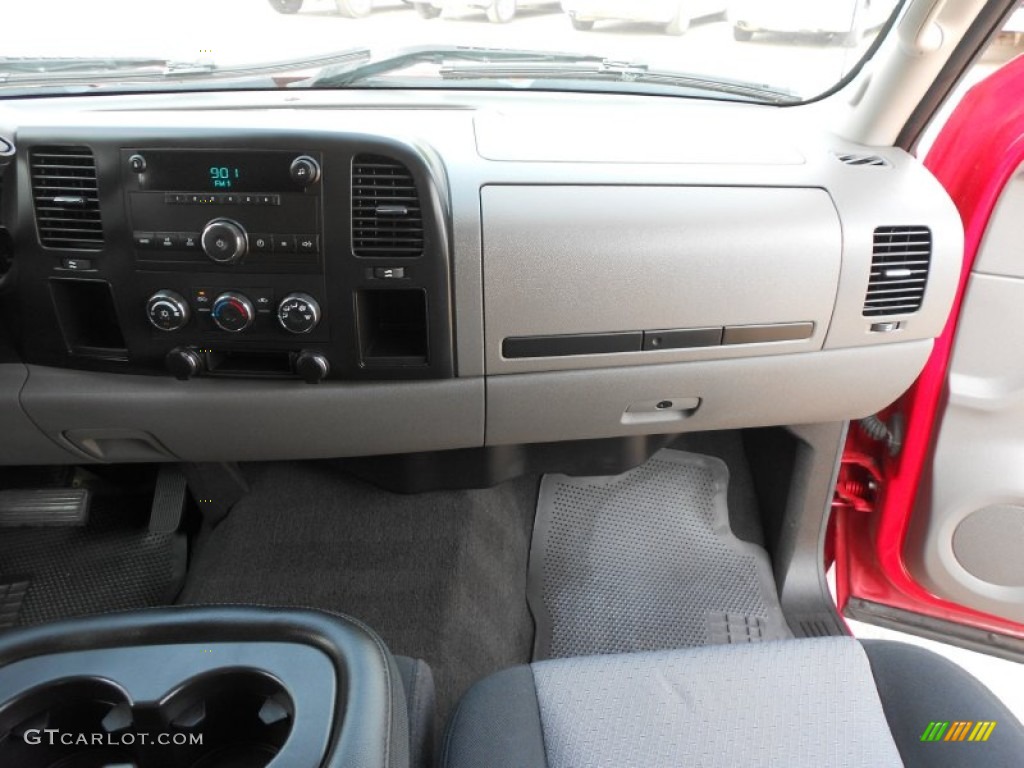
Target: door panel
(966,537)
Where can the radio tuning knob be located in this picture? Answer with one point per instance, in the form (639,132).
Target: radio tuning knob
(225,241)
(305,170)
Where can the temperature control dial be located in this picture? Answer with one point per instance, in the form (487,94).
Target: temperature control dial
(225,241)
(298,313)
(232,312)
(167,311)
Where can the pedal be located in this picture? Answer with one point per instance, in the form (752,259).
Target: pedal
(168,500)
(30,508)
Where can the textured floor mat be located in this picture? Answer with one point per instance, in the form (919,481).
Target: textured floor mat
(113,563)
(646,560)
(441,575)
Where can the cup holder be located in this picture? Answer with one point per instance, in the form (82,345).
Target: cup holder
(71,706)
(243,715)
(228,718)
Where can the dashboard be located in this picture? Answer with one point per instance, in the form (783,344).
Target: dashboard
(213,277)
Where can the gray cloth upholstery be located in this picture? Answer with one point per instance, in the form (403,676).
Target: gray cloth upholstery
(783,703)
(421,703)
(826,703)
(918,687)
(497,725)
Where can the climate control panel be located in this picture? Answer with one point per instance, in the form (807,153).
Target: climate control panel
(232,311)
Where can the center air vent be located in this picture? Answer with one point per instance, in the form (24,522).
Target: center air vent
(67,198)
(386,217)
(899,270)
(871,161)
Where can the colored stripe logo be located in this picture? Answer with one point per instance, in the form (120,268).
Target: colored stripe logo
(958,730)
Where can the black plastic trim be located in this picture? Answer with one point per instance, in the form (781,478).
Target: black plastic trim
(578,344)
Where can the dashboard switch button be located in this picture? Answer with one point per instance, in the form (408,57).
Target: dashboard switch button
(261,243)
(284,243)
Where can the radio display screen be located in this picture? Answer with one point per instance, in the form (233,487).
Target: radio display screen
(217,171)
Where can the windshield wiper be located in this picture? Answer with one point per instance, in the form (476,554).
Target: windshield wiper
(617,71)
(90,70)
(19,70)
(513,64)
(345,76)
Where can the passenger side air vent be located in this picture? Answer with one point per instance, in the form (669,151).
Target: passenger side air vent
(872,161)
(899,270)
(386,217)
(67,198)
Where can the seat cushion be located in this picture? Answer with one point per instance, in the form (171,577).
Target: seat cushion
(793,703)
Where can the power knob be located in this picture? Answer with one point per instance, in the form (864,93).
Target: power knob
(232,312)
(167,311)
(225,241)
(298,313)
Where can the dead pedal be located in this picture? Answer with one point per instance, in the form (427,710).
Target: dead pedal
(38,507)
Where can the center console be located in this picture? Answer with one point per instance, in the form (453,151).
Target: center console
(228,255)
(198,687)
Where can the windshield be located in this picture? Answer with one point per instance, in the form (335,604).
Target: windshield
(778,51)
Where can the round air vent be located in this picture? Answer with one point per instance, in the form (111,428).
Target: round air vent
(989,544)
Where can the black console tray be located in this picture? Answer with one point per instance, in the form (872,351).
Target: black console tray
(201,688)
(238,699)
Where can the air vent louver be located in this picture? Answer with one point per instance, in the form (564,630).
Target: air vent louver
(386,217)
(871,161)
(67,198)
(899,270)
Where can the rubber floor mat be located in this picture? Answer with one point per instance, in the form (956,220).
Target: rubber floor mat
(646,560)
(113,563)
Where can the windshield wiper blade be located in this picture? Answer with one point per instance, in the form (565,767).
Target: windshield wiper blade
(431,54)
(609,70)
(90,70)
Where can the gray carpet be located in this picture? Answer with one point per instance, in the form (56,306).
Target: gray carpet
(441,576)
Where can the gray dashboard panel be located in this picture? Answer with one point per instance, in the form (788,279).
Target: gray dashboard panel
(221,420)
(751,392)
(490,142)
(590,259)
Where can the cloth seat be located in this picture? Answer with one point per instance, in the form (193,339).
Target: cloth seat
(794,703)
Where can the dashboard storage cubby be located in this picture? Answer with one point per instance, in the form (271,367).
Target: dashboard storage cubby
(201,688)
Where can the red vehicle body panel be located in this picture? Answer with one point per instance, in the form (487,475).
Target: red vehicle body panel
(975,155)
